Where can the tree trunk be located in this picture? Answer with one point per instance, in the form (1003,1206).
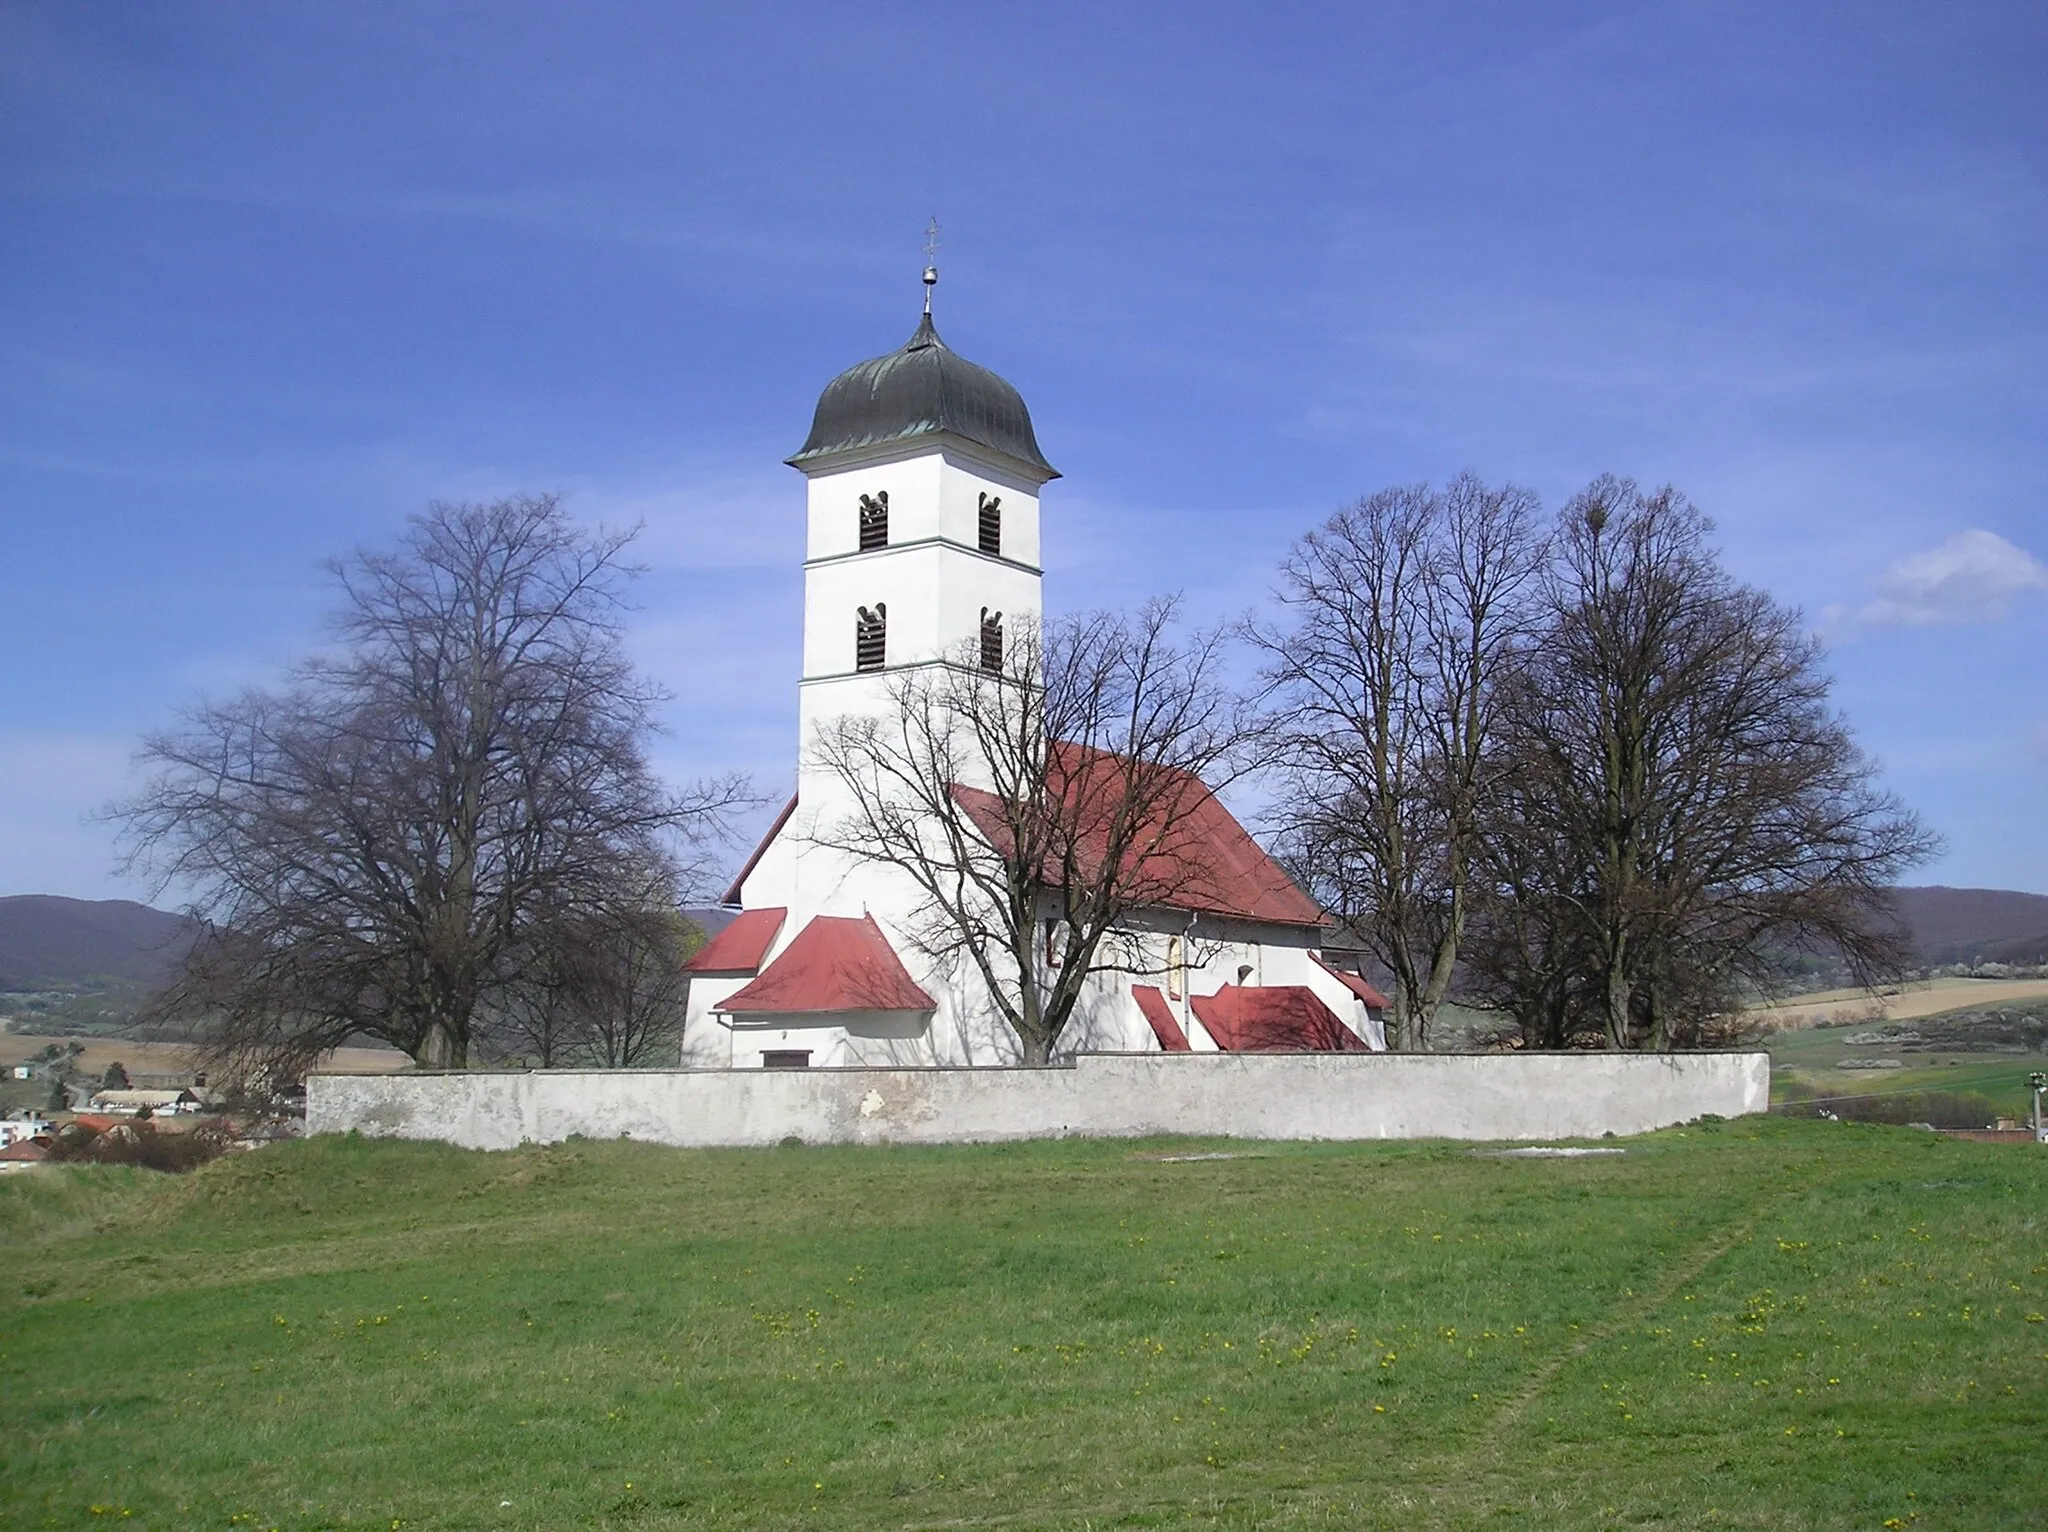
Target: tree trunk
(441,1048)
(1617,993)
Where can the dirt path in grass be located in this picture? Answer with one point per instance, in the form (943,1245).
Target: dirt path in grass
(1681,1274)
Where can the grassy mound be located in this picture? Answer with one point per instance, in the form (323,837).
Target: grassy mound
(1757,1324)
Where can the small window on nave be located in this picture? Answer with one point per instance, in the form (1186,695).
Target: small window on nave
(991,523)
(992,641)
(871,637)
(874,521)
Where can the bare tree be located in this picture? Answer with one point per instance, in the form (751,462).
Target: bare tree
(377,844)
(1680,795)
(628,987)
(1038,805)
(1400,620)
(600,987)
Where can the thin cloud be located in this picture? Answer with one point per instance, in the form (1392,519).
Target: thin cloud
(1972,578)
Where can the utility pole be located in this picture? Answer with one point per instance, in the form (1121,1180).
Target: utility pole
(2037,1082)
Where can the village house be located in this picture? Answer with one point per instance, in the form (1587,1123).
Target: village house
(24,1154)
(27,1125)
(158,1103)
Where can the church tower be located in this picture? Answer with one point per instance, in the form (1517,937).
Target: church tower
(921,550)
(922,544)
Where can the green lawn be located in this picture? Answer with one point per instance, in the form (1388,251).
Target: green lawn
(1807,1061)
(1762,1324)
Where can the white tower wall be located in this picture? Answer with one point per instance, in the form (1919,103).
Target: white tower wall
(936,582)
(932,575)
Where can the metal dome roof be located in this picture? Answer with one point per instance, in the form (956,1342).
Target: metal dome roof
(922,388)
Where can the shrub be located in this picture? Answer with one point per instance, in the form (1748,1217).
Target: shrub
(143,1146)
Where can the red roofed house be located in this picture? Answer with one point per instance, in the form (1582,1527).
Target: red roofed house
(923,538)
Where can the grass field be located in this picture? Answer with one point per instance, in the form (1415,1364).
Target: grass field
(1810,1060)
(1758,1324)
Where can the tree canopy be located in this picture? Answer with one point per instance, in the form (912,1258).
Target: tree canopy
(1587,776)
(396,841)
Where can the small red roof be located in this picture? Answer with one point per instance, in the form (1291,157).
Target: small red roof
(1356,985)
(740,947)
(25,1149)
(836,963)
(1191,854)
(1159,1016)
(1277,1018)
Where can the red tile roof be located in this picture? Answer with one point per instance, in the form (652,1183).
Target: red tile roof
(26,1150)
(1192,854)
(732,895)
(1356,985)
(740,947)
(836,963)
(1159,1016)
(1277,1018)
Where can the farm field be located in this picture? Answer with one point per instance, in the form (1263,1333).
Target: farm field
(1926,997)
(1762,1323)
(139,1057)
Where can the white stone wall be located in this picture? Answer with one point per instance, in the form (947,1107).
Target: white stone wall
(1261,1096)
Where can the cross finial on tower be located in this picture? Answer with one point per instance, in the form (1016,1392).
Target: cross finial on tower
(931,261)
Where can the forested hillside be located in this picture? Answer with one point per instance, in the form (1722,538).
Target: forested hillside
(1962,925)
(58,942)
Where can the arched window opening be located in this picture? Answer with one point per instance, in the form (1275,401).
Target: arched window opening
(991,523)
(874,521)
(992,641)
(1176,967)
(871,637)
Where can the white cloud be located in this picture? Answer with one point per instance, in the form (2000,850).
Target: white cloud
(1974,577)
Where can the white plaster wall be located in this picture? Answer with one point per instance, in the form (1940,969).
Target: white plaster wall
(934,592)
(1216,949)
(933,490)
(1261,1096)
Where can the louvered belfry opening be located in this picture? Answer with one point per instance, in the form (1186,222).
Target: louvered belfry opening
(992,641)
(871,637)
(991,523)
(874,521)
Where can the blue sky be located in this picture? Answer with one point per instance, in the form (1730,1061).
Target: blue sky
(275,276)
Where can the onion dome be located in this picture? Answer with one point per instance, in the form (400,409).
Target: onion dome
(923,388)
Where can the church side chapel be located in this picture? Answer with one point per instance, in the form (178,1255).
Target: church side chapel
(923,550)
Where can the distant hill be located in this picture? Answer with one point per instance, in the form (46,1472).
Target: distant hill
(1961,925)
(48,940)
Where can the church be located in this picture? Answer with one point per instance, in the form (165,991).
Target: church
(924,476)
